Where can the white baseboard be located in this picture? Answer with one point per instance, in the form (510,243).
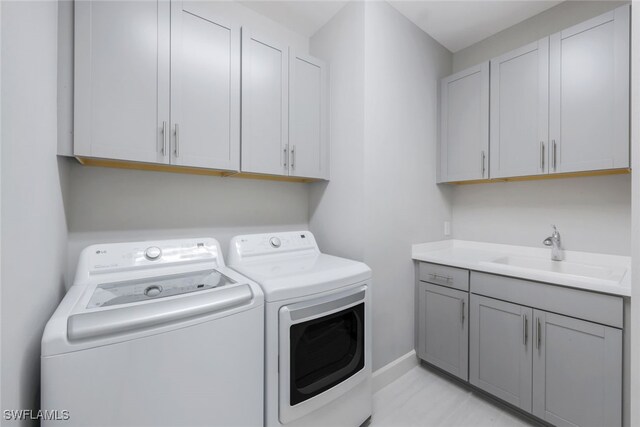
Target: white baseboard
(394,370)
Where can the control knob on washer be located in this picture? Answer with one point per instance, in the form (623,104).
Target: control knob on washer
(153,291)
(152,253)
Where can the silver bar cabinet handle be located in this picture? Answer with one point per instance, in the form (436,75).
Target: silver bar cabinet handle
(462,310)
(164,138)
(285,155)
(542,155)
(538,333)
(293,156)
(554,156)
(177,148)
(439,277)
(482,157)
(525,322)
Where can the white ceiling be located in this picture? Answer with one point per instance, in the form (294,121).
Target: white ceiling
(456,24)
(301,16)
(459,24)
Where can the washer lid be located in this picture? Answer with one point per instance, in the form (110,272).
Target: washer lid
(293,277)
(125,292)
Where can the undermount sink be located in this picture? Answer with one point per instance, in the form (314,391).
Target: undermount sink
(614,274)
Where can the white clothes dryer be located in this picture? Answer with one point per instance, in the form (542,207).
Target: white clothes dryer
(318,329)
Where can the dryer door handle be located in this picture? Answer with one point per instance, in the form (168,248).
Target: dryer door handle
(304,311)
(158,313)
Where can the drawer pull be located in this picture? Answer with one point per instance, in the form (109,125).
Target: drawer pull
(447,279)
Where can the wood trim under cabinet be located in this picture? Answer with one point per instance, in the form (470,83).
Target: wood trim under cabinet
(122,164)
(622,171)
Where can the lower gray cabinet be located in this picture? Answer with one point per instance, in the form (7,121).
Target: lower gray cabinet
(505,336)
(577,372)
(500,349)
(443,328)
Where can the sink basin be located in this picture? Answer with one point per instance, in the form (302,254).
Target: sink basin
(591,271)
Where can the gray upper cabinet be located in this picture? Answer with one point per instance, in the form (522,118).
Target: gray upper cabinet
(500,349)
(205,88)
(265,92)
(589,94)
(443,331)
(464,125)
(284,110)
(179,85)
(308,125)
(577,373)
(164,88)
(121,97)
(558,105)
(520,111)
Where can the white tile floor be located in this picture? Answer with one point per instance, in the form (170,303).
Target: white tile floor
(423,398)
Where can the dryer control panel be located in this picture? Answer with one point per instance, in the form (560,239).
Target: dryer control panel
(255,245)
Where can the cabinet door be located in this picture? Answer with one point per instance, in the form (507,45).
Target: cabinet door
(589,94)
(205,88)
(500,349)
(443,328)
(520,111)
(577,372)
(265,101)
(464,126)
(121,93)
(308,127)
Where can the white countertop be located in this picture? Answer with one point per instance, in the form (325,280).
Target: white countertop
(478,256)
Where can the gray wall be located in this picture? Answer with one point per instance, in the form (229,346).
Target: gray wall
(403,66)
(111,205)
(336,214)
(34,231)
(382,196)
(593,214)
(634,398)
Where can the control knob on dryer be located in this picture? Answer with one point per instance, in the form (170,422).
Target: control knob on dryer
(275,242)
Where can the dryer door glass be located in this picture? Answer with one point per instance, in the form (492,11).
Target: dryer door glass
(325,351)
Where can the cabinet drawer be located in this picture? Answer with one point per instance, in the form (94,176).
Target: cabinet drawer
(598,308)
(457,278)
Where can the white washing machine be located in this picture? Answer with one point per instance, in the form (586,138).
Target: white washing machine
(155,334)
(318,329)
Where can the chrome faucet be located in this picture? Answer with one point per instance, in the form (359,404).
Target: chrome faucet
(555,243)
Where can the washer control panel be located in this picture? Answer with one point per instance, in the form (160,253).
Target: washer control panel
(114,257)
(110,294)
